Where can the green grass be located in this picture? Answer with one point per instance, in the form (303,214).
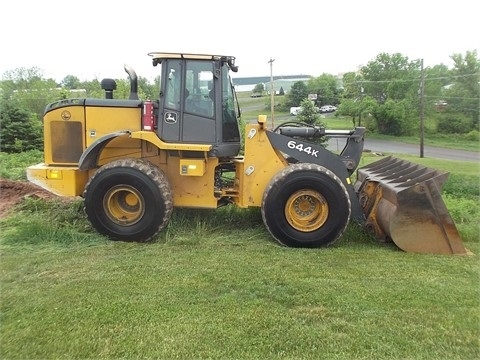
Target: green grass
(217,287)
(214,285)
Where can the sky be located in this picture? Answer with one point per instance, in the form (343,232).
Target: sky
(95,39)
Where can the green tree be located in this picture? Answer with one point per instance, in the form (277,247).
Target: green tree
(298,92)
(71,82)
(437,78)
(358,109)
(258,89)
(391,77)
(393,118)
(309,115)
(352,86)
(327,89)
(464,93)
(29,90)
(393,82)
(20,130)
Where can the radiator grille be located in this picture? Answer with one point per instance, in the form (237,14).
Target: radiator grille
(67,143)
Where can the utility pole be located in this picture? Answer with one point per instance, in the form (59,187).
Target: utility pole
(422,121)
(272,94)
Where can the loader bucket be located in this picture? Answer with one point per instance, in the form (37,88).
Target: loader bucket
(402,202)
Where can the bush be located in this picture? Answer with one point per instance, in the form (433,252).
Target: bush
(20,130)
(394,118)
(454,124)
(473,135)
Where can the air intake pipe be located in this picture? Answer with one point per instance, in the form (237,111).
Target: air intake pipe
(108,85)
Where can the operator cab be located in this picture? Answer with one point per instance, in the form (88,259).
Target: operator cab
(197,102)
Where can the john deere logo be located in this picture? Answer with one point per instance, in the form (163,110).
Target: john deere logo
(170,117)
(66,115)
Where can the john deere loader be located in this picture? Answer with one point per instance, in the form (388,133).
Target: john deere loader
(133,161)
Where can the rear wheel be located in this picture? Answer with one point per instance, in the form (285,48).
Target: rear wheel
(306,205)
(128,200)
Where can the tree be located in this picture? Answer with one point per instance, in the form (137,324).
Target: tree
(258,89)
(20,129)
(327,89)
(392,118)
(391,76)
(437,78)
(298,92)
(357,108)
(464,94)
(30,90)
(309,115)
(393,82)
(71,82)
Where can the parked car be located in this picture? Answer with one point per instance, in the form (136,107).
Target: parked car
(328,109)
(294,110)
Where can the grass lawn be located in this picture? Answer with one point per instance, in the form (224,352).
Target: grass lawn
(214,285)
(217,287)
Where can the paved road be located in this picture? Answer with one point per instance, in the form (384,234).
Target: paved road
(385,146)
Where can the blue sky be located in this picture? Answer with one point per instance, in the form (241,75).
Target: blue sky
(94,39)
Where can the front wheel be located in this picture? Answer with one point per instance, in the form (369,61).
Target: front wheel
(128,200)
(306,205)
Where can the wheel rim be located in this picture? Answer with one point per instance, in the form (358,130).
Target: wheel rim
(306,210)
(124,205)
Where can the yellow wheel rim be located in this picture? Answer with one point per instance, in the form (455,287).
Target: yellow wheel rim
(124,205)
(306,210)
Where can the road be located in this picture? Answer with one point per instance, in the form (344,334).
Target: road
(385,146)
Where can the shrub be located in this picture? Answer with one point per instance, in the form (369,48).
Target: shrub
(473,135)
(20,130)
(454,124)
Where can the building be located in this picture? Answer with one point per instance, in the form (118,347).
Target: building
(248,83)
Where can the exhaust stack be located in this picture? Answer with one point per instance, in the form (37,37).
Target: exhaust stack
(133,83)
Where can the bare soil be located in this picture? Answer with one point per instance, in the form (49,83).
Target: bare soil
(13,192)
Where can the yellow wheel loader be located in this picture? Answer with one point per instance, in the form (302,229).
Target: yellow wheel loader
(133,161)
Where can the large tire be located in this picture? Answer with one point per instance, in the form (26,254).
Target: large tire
(306,205)
(128,200)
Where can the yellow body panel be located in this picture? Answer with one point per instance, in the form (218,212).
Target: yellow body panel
(261,162)
(101,121)
(191,191)
(62,181)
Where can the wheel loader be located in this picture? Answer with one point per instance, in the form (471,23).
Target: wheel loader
(133,161)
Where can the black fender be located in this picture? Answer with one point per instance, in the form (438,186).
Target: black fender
(317,154)
(89,158)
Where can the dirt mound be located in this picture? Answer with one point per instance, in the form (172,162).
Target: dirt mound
(12,192)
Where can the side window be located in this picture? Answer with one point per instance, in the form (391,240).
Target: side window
(228,100)
(173,86)
(199,99)
(231,132)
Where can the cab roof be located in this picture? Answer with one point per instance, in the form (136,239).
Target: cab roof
(168,55)
(157,58)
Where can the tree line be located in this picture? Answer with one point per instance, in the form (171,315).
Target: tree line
(387,96)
